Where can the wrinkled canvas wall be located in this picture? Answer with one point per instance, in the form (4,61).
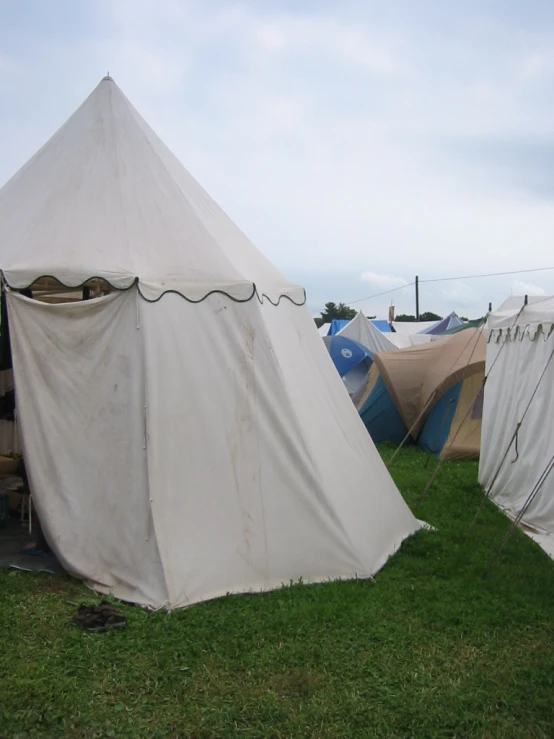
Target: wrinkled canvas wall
(80,394)
(181,451)
(514,368)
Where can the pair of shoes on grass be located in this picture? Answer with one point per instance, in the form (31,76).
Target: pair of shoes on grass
(99,618)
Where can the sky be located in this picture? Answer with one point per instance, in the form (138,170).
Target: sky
(356,143)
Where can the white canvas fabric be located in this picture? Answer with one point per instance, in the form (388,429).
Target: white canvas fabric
(324,329)
(80,394)
(412,327)
(198,445)
(170,466)
(361,329)
(520,350)
(516,302)
(517,317)
(406,340)
(105,189)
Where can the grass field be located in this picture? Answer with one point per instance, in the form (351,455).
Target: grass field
(427,649)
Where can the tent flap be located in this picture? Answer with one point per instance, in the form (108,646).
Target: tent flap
(80,397)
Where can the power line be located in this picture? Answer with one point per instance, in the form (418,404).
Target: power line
(490,274)
(378,295)
(448,279)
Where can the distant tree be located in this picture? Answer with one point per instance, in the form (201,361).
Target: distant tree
(427,316)
(332,311)
(463,318)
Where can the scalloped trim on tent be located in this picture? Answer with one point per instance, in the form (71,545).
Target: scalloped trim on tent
(232,295)
(519,333)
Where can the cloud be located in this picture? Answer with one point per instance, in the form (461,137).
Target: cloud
(537,65)
(383,282)
(336,138)
(158,72)
(7,66)
(461,294)
(525,288)
(523,164)
(344,43)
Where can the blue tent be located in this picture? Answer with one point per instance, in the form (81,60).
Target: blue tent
(347,354)
(456,418)
(451,321)
(380,414)
(352,360)
(337,324)
(436,429)
(446,419)
(382,325)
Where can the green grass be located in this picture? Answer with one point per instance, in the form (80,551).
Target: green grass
(427,649)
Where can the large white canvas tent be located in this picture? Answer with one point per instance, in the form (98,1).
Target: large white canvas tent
(361,329)
(186,435)
(517,440)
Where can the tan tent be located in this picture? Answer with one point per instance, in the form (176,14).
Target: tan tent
(435,390)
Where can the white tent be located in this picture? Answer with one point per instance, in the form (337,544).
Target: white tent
(187,435)
(516,302)
(361,329)
(407,333)
(517,439)
(323,330)
(406,340)
(412,327)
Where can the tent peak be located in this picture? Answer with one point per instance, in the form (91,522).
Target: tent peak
(105,197)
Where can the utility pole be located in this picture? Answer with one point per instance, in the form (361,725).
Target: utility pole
(417,298)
